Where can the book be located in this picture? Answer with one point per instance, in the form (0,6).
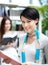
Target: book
(8,39)
(12,61)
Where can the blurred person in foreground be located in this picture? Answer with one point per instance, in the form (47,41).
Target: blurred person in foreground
(9,48)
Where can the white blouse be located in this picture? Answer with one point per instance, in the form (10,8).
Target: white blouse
(30,49)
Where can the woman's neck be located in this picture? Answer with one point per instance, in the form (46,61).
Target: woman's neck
(31,39)
(6,32)
(31,35)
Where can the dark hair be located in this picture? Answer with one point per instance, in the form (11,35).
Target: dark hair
(3,25)
(30,13)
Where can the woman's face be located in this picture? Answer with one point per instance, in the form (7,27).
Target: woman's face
(7,25)
(28,25)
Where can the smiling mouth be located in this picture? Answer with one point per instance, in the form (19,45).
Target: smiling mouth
(26,29)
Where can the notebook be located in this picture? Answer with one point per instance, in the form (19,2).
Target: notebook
(8,39)
(12,61)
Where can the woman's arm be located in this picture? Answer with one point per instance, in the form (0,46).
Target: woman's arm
(2,47)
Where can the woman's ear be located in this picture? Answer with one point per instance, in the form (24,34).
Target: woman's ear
(36,21)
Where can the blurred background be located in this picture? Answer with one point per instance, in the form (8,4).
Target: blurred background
(13,8)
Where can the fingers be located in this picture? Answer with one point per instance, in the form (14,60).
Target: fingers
(26,63)
(6,61)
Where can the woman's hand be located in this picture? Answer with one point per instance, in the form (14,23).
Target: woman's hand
(10,44)
(7,61)
(6,46)
(27,63)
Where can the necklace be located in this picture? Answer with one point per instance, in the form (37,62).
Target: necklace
(31,35)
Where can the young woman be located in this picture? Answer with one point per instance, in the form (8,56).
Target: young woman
(30,19)
(6,26)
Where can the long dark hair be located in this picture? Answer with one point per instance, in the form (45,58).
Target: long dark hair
(3,25)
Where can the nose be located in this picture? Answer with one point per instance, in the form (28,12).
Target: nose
(26,24)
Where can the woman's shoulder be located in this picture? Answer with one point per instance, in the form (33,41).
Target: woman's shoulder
(43,40)
(43,37)
(21,35)
(10,34)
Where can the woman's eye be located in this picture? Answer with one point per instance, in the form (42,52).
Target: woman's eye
(29,21)
(26,22)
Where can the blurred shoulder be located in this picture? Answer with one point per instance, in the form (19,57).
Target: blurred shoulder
(10,34)
(21,36)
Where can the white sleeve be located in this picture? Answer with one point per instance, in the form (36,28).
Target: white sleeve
(43,45)
(43,40)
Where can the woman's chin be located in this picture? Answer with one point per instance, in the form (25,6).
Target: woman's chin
(28,31)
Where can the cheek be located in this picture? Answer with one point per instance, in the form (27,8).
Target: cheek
(32,24)
(31,27)
(7,26)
